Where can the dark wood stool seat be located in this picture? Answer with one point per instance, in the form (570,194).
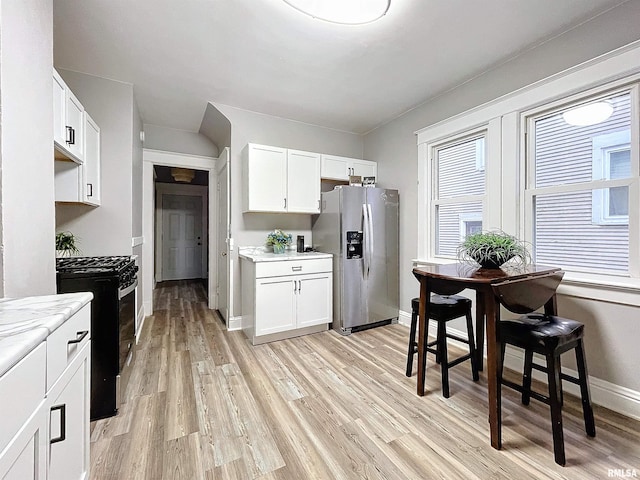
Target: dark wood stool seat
(443,308)
(550,336)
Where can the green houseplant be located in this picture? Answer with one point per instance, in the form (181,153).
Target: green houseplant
(492,249)
(279,240)
(66,244)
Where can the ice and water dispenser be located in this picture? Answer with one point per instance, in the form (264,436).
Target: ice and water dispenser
(354,245)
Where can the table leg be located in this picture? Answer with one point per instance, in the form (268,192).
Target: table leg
(494,370)
(425,294)
(480,314)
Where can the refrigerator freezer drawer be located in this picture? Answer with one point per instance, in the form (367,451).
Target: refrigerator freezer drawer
(293,267)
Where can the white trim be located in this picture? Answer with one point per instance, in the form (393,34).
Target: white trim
(157,157)
(140,318)
(614,397)
(136,241)
(234,323)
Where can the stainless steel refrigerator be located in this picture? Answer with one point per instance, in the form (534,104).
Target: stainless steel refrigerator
(359,226)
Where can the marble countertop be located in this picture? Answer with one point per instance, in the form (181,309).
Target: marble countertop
(261,254)
(26,322)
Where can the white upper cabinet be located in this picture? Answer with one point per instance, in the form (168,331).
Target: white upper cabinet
(340,168)
(92,162)
(303,181)
(281,180)
(68,122)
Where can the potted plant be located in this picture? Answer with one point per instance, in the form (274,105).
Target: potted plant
(492,249)
(66,244)
(279,240)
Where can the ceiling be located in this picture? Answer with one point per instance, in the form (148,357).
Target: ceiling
(264,56)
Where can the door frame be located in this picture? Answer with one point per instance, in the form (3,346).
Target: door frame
(224,161)
(163,189)
(172,159)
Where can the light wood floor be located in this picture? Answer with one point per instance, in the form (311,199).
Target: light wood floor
(204,404)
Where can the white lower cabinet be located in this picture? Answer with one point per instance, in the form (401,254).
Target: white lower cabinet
(283,299)
(44,407)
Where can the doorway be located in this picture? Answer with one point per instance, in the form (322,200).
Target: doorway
(152,239)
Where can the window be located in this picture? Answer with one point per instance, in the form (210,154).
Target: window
(577,188)
(459,190)
(611,161)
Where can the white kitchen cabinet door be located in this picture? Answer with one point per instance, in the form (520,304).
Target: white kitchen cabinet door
(69,421)
(303,182)
(25,457)
(340,168)
(74,126)
(265,179)
(364,168)
(313,300)
(92,166)
(275,305)
(59,105)
(335,168)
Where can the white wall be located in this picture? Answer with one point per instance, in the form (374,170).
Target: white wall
(251,229)
(108,229)
(27,253)
(180,141)
(394,147)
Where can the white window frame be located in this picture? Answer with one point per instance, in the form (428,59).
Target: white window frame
(505,199)
(434,202)
(463,220)
(602,147)
(530,191)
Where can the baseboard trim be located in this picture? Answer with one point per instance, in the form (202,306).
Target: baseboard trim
(140,318)
(234,323)
(609,395)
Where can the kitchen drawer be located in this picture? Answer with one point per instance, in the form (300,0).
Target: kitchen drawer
(22,389)
(293,267)
(64,344)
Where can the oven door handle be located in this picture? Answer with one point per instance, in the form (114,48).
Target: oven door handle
(128,290)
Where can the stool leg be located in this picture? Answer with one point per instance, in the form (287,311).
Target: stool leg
(526,376)
(444,362)
(472,348)
(439,333)
(587,409)
(553,374)
(412,342)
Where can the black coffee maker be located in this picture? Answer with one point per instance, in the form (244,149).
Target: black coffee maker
(300,244)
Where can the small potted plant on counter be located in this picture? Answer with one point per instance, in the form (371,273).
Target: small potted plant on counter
(66,244)
(492,249)
(279,240)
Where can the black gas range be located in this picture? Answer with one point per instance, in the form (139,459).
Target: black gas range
(113,281)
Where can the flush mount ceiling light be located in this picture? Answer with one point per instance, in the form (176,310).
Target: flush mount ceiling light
(349,12)
(184,175)
(589,114)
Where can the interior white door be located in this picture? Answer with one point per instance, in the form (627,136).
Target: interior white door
(224,235)
(181,237)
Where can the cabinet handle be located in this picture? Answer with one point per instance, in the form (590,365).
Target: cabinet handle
(90,187)
(69,138)
(296,269)
(63,423)
(295,286)
(299,286)
(285,203)
(79,337)
(318,204)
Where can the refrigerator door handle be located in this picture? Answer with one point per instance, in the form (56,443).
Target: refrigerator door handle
(370,240)
(365,240)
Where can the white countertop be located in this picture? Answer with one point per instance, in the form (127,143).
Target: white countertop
(261,254)
(26,322)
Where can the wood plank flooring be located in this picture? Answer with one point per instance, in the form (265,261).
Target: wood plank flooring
(204,404)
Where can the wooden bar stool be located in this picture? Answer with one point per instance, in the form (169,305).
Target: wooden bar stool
(443,308)
(547,335)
